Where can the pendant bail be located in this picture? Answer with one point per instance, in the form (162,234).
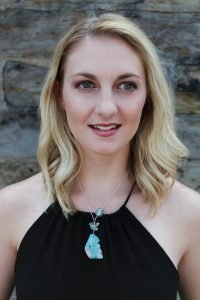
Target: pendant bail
(99,212)
(94,226)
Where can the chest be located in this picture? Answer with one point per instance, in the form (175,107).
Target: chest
(52,263)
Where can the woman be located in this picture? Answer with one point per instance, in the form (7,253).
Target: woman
(105,218)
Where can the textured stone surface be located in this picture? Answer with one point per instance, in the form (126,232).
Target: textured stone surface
(189,174)
(187,81)
(14,170)
(17,142)
(188,131)
(171,6)
(174,36)
(2,102)
(22,86)
(17,153)
(30,35)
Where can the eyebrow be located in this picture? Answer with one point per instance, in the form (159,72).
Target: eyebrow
(91,76)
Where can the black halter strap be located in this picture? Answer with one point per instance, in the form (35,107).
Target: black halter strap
(128,197)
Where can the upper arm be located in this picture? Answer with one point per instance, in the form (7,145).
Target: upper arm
(189,266)
(7,248)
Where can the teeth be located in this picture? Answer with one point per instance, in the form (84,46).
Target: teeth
(105,127)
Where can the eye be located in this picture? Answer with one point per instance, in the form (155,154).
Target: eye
(128,86)
(86,84)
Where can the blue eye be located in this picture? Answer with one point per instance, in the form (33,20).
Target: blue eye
(85,84)
(128,86)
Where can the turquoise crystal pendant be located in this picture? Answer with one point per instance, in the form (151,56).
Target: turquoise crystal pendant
(93,248)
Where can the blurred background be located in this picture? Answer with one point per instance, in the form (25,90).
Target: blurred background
(29,32)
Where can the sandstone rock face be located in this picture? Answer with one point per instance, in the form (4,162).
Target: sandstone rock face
(29,32)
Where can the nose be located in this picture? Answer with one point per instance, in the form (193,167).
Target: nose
(106,104)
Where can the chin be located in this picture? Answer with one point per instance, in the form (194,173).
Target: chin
(107,151)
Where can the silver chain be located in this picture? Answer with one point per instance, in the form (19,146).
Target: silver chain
(107,198)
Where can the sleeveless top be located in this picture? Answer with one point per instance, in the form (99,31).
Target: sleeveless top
(51,262)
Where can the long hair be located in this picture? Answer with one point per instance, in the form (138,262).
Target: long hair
(155,151)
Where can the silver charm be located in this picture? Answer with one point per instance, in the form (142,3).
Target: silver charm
(94,226)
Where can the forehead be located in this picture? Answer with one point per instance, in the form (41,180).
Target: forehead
(101,53)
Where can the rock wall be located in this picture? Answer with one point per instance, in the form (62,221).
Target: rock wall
(29,31)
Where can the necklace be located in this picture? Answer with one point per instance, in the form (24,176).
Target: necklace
(92,246)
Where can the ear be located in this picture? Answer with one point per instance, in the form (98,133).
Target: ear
(58,94)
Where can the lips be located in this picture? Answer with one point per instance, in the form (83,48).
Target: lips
(105,127)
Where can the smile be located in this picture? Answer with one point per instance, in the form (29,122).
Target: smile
(105,128)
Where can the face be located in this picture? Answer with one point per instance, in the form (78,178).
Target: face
(103,94)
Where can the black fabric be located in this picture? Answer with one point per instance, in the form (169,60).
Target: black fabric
(51,262)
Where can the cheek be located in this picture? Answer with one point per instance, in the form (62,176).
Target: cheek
(73,119)
(76,115)
(134,111)
(72,112)
(70,106)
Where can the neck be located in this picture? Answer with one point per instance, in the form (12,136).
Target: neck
(99,175)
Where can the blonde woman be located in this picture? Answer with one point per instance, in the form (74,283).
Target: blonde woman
(105,218)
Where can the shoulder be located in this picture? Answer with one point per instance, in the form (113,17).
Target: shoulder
(186,201)
(20,201)
(184,191)
(184,206)
(22,186)
(20,205)
(22,193)
(187,206)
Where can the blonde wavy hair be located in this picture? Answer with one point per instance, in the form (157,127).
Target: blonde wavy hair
(155,151)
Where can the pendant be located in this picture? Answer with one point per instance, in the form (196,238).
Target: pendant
(93,248)
(99,212)
(94,226)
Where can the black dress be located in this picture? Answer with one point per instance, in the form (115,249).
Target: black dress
(52,264)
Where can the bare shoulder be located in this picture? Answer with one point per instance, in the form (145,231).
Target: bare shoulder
(20,205)
(21,187)
(182,190)
(184,203)
(186,200)
(24,200)
(18,195)
(187,206)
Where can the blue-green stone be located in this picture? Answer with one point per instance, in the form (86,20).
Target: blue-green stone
(92,247)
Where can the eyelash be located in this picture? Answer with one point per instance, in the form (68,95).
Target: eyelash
(133,84)
(78,84)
